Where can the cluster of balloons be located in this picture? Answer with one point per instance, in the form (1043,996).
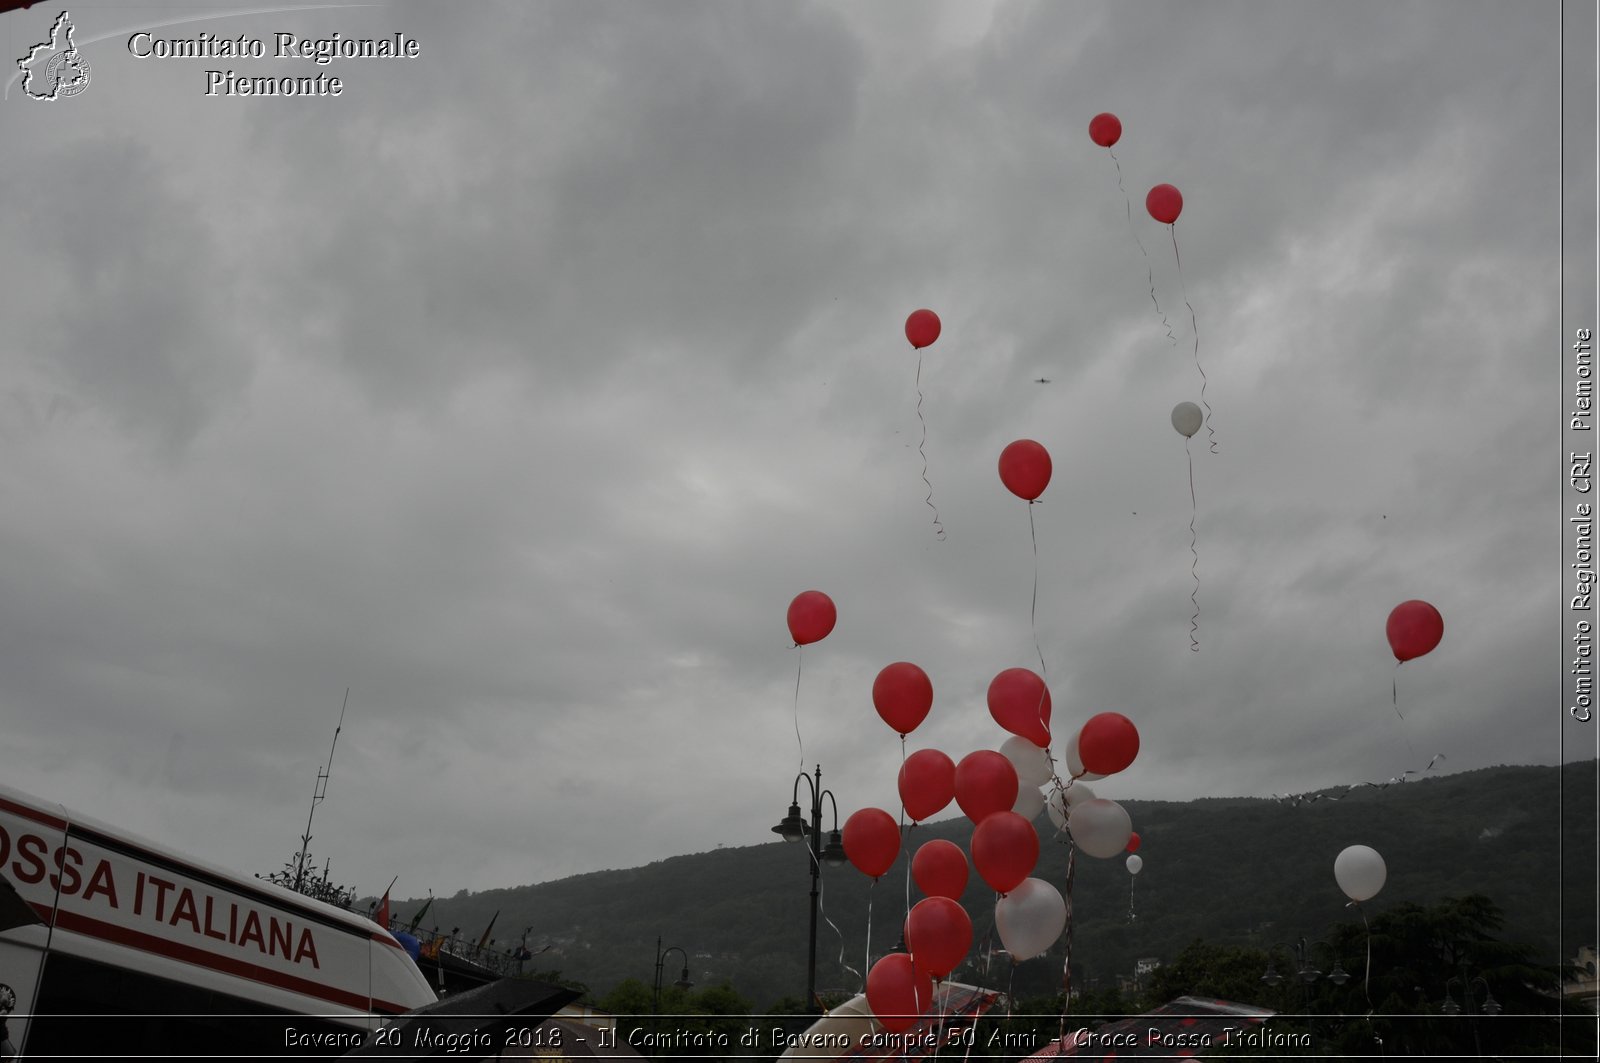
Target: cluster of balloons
(1164,202)
(1002,792)
(999,791)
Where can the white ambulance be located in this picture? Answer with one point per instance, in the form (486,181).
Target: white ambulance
(113,945)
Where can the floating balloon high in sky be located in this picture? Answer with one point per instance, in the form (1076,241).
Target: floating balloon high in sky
(1105,129)
(1025,469)
(922,328)
(811,618)
(1414,629)
(1186,419)
(1165,203)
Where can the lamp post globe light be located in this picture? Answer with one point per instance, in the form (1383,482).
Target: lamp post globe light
(1306,971)
(1488,1005)
(682,982)
(793,829)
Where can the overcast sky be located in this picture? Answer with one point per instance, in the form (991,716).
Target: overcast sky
(520,388)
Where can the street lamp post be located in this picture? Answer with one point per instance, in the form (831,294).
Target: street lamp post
(1489,1005)
(1306,970)
(682,983)
(794,829)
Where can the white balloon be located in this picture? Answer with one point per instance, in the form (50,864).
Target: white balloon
(1186,419)
(1100,827)
(1056,805)
(1360,872)
(1061,801)
(1030,918)
(1075,762)
(1031,762)
(1030,802)
(1135,862)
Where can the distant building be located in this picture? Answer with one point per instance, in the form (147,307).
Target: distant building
(1584,989)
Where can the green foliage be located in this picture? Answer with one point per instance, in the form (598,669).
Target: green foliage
(1420,955)
(706,1023)
(1202,969)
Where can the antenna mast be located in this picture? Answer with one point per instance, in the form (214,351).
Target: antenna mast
(317,794)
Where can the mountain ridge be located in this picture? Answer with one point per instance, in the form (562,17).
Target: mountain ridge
(1230,870)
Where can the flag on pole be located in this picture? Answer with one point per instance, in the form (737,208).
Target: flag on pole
(416,920)
(485,939)
(382,915)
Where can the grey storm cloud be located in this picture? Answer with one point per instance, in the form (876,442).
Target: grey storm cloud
(520,388)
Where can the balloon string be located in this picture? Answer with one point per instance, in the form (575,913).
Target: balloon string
(1011,980)
(1131,880)
(1366,985)
(974,1004)
(799,660)
(1066,960)
(871,891)
(1394,694)
(1307,799)
(1148,269)
(906,833)
(938,529)
(822,907)
(1194,565)
(1196,327)
(1033,622)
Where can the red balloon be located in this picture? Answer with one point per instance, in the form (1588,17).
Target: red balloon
(811,617)
(1025,469)
(922,327)
(1415,628)
(986,782)
(1133,842)
(1105,129)
(938,933)
(940,869)
(1005,849)
(1164,203)
(871,841)
(927,784)
(902,694)
(1108,743)
(1020,702)
(898,992)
